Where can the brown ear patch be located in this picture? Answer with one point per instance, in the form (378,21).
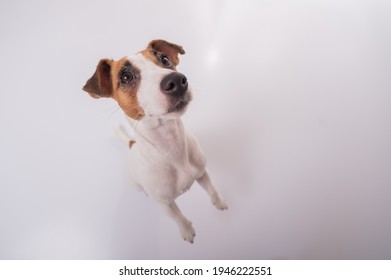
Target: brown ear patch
(158,47)
(100,84)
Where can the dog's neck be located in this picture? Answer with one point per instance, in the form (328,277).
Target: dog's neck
(164,136)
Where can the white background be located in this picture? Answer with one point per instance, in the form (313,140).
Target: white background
(292,107)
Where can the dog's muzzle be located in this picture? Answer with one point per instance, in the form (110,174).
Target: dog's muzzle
(175,86)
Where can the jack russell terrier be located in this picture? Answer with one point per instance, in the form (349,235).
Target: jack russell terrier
(165,158)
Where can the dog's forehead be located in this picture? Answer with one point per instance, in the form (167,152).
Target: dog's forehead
(142,62)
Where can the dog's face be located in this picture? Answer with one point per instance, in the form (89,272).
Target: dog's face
(144,84)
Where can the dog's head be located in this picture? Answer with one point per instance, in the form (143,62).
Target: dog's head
(144,84)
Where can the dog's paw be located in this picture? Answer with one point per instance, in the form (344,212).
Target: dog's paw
(220,203)
(188,232)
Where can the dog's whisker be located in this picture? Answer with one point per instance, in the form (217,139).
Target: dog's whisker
(115,109)
(135,124)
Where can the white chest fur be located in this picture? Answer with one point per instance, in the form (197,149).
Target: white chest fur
(166,159)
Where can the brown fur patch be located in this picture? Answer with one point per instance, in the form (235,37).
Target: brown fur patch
(148,54)
(105,83)
(126,96)
(160,47)
(131,142)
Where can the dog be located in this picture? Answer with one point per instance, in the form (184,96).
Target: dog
(165,159)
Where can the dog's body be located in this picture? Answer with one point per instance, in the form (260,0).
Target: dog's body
(165,158)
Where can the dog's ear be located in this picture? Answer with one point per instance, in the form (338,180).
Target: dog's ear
(100,84)
(167,48)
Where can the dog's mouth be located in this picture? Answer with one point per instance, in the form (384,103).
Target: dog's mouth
(180,105)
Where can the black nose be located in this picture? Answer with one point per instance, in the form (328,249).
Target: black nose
(174,84)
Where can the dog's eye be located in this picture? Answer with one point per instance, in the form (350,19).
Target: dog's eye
(126,77)
(165,61)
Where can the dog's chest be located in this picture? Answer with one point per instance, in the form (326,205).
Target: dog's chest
(167,182)
(185,177)
(166,161)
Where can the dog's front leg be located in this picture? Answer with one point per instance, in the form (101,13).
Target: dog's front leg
(184,224)
(207,185)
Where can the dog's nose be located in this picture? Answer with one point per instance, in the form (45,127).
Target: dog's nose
(174,84)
